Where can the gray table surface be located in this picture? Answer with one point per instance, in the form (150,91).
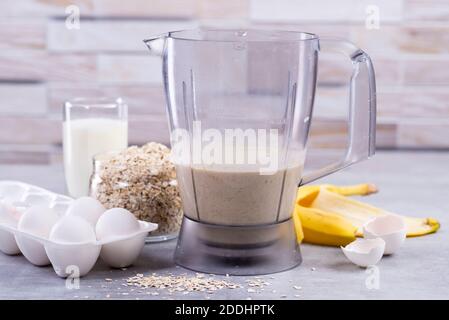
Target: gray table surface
(412,183)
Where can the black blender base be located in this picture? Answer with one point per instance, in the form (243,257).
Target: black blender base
(237,250)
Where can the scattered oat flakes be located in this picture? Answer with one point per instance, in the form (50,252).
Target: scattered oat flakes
(257,282)
(182,283)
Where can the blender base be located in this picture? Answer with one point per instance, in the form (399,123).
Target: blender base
(237,250)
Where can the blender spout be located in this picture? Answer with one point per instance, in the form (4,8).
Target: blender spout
(156,44)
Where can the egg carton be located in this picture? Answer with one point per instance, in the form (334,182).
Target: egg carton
(23,195)
(67,257)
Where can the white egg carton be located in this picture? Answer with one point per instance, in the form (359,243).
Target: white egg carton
(23,195)
(24,205)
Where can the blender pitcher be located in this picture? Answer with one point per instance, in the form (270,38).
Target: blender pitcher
(239,106)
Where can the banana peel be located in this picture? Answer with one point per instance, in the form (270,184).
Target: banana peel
(325,215)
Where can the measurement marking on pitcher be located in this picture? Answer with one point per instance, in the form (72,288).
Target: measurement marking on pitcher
(194,118)
(282,195)
(194,194)
(289,107)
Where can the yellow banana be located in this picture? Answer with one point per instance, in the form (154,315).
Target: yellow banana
(325,228)
(318,206)
(298,228)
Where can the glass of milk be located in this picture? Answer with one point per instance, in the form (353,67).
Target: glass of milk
(91,126)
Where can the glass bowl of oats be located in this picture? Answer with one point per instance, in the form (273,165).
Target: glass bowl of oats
(143,181)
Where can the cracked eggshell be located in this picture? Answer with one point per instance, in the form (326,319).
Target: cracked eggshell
(365,252)
(8,244)
(87,208)
(391,228)
(37,221)
(72,249)
(115,223)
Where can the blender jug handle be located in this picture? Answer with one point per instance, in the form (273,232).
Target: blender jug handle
(362,109)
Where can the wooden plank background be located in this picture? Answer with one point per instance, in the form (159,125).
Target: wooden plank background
(42,64)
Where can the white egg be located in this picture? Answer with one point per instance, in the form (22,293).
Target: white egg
(365,252)
(72,229)
(87,208)
(116,223)
(391,228)
(8,243)
(72,250)
(38,221)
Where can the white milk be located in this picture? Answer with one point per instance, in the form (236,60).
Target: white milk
(84,138)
